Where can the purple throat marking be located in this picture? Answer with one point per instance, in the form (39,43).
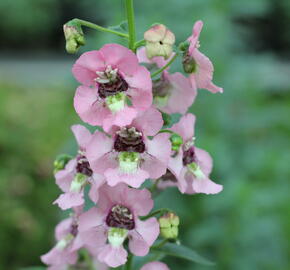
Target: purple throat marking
(129,140)
(83,166)
(112,88)
(189,156)
(120,217)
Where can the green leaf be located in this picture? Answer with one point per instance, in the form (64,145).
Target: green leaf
(122,27)
(183,252)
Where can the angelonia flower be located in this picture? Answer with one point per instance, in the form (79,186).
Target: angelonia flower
(197,65)
(129,96)
(173,93)
(155,266)
(77,173)
(68,243)
(116,218)
(159,41)
(128,155)
(114,86)
(190,166)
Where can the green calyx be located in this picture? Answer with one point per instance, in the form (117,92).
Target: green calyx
(60,162)
(176,142)
(74,36)
(169,226)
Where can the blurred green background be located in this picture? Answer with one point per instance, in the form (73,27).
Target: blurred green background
(246,129)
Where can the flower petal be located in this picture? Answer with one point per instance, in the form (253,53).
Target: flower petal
(89,106)
(86,66)
(185,127)
(91,219)
(182,94)
(206,186)
(96,182)
(204,74)
(195,35)
(155,266)
(63,228)
(136,179)
(82,135)
(159,150)
(70,199)
(120,57)
(98,152)
(113,256)
(121,118)
(65,177)
(148,230)
(149,122)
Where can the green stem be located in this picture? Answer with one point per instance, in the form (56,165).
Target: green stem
(139,43)
(89,261)
(100,28)
(128,265)
(165,66)
(160,211)
(166,131)
(131,23)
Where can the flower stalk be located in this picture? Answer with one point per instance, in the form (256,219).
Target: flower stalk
(131,23)
(100,28)
(154,74)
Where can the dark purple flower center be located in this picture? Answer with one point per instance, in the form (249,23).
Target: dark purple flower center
(168,176)
(189,156)
(113,87)
(120,217)
(74,229)
(129,140)
(83,166)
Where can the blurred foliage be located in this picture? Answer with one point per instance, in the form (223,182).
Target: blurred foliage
(246,130)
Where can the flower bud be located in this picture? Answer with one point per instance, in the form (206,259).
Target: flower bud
(169,226)
(183,46)
(74,36)
(159,41)
(176,142)
(60,162)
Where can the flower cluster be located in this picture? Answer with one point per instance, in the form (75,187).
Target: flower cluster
(121,93)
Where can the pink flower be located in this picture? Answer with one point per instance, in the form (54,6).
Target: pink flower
(155,266)
(128,155)
(173,93)
(77,173)
(68,243)
(105,228)
(197,64)
(191,166)
(111,76)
